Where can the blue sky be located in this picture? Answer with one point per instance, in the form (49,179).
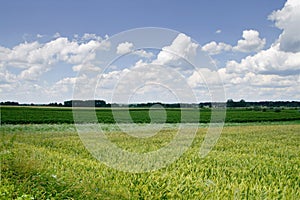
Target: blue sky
(198,19)
(237,34)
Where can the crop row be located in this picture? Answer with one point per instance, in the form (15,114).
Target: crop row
(38,115)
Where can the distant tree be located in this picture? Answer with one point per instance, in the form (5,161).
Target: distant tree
(242,103)
(10,103)
(68,103)
(86,103)
(230,103)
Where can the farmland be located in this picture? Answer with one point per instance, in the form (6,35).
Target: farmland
(52,115)
(43,157)
(248,162)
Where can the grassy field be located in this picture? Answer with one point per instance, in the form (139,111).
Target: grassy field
(46,115)
(249,162)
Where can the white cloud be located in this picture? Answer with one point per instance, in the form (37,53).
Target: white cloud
(23,66)
(144,54)
(218,31)
(253,87)
(288,20)
(128,47)
(269,74)
(270,61)
(36,58)
(56,35)
(251,42)
(19,55)
(169,72)
(63,87)
(257,81)
(6,77)
(158,77)
(32,73)
(39,36)
(124,48)
(203,77)
(3,54)
(83,85)
(216,48)
(89,67)
(91,36)
(181,47)
(282,58)
(122,86)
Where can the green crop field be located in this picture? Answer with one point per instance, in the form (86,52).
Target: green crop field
(46,115)
(256,157)
(40,161)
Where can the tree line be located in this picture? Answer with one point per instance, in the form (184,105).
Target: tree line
(242,103)
(101,103)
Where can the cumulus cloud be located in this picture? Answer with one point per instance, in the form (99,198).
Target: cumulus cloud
(270,61)
(159,77)
(89,67)
(144,54)
(123,86)
(56,35)
(269,74)
(36,58)
(254,86)
(39,36)
(63,86)
(203,77)
(169,71)
(124,48)
(23,66)
(216,48)
(128,47)
(181,47)
(288,20)
(91,36)
(251,42)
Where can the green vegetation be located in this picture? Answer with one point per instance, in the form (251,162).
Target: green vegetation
(256,157)
(50,115)
(248,162)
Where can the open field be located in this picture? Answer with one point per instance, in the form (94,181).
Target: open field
(248,162)
(52,115)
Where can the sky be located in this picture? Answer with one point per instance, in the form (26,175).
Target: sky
(52,51)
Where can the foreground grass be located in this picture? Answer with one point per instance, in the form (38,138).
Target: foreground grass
(248,162)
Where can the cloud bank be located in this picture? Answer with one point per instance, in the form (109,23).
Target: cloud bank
(264,73)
